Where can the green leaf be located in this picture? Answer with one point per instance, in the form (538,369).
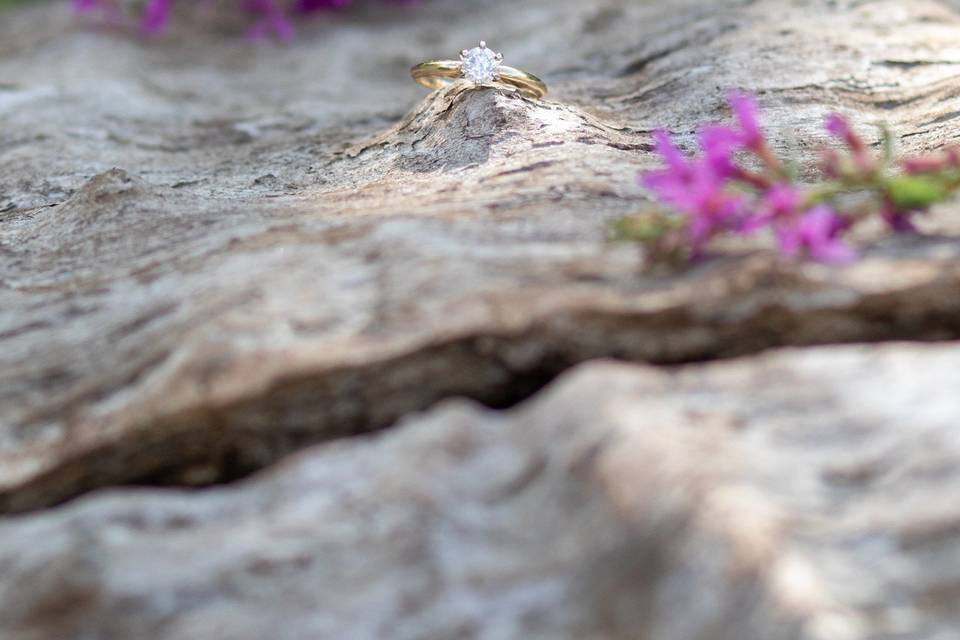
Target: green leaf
(909,193)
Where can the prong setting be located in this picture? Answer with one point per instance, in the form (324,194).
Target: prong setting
(481,64)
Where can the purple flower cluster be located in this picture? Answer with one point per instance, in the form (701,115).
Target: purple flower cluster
(714,193)
(268,17)
(717,195)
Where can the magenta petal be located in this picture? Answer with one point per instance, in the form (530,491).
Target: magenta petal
(282,27)
(838,126)
(82,6)
(753,223)
(719,145)
(155,16)
(836,252)
(820,229)
(309,6)
(747,112)
(782,199)
(820,222)
(271,17)
(789,241)
(719,138)
(898,221)
(700,230)
(669,152)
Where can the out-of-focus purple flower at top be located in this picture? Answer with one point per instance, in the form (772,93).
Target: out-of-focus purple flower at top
(270,17)
(309,6)
(156,13)
(108,8)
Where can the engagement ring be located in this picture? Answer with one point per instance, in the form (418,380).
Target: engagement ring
(480,66)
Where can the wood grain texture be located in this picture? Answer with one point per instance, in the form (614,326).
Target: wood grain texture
(796,495)
(213,255)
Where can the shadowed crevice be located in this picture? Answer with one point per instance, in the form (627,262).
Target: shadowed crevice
(216,445)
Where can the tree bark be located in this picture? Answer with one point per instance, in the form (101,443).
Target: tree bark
(213,255)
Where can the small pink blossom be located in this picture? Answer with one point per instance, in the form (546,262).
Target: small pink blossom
(719,145)
(781,202)
(155,16)
(838,126)
(270,18)
(696,188)
(898,221)
(947,160)
(817,234)
(714,194)
(747,113)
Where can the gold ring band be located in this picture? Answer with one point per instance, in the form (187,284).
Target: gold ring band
(481,66)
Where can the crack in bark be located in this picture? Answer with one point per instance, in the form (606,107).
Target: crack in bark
(472,191)
(212,444)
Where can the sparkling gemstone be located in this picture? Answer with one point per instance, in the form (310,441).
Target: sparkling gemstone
(480,65)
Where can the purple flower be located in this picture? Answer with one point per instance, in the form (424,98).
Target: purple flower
(719,145)
(714,193)
(781,200)
(108,9)
(816,234)
(747,113)
(270,17)
(155,16)
(838,126)
(898,221)
(947,160)
(697,188)
(309,6)
(780,203)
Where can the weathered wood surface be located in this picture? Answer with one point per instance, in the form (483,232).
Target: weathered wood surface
(796,495)
(265,268)
(212,255)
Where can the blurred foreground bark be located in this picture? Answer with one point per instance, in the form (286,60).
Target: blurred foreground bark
(212,256)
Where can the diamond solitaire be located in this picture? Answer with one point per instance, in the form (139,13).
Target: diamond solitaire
(479,66)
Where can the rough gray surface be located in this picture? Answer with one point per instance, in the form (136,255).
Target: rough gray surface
(264,269)
(798,495)
(212,256)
